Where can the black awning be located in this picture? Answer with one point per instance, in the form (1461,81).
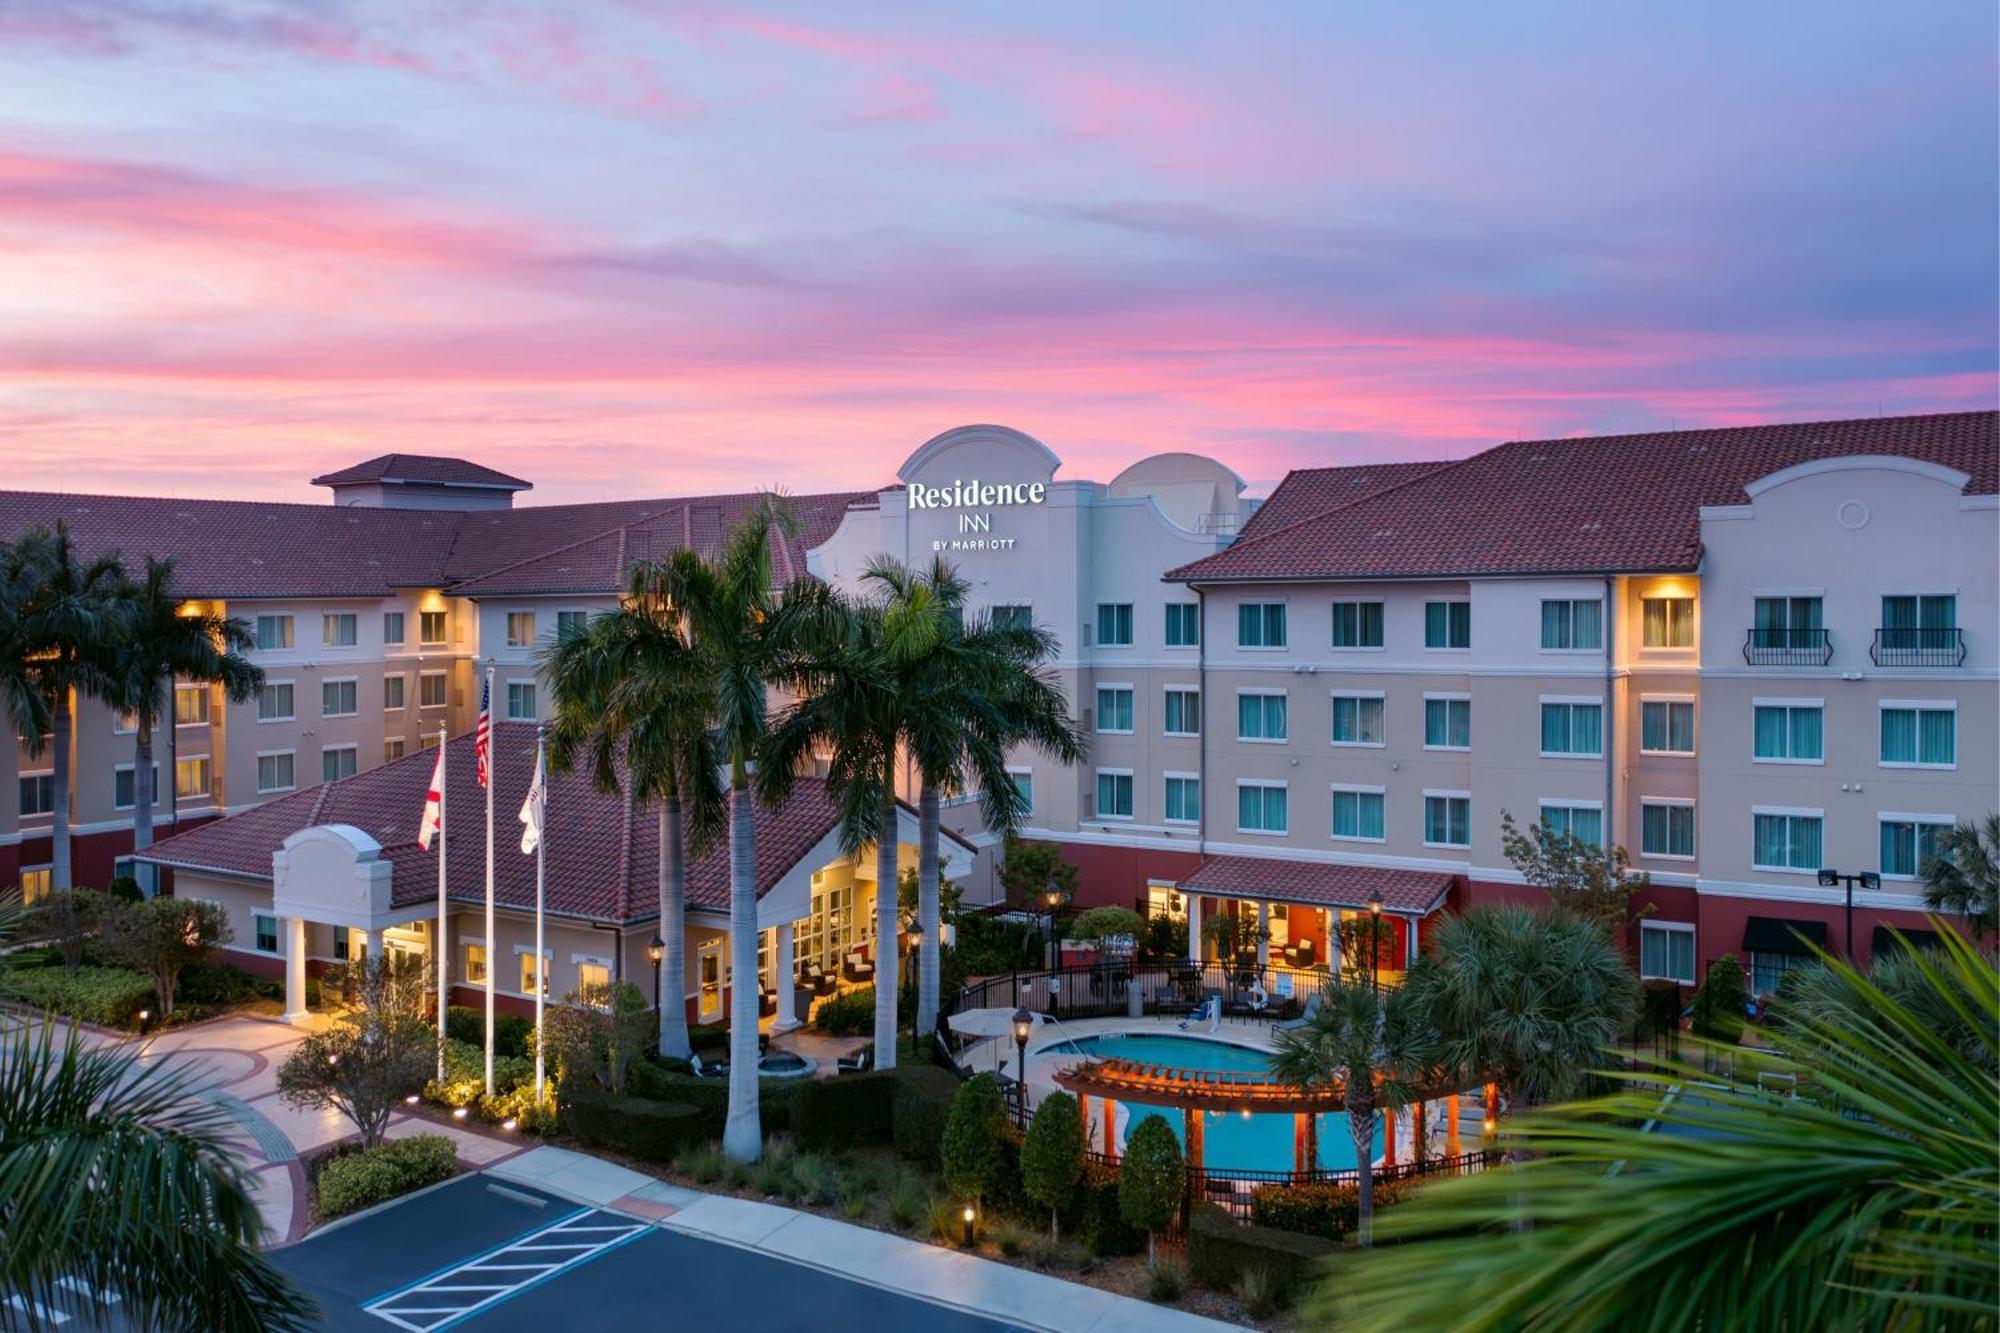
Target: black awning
(1885,940)
(1778,934)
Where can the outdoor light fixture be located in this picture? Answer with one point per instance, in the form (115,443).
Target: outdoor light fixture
(656,949)
(1024,1023)
(1833,879)
(458,1113)
(971,1215)
(1489,1127)
(509,1123)
(1374,939)
(411,1100)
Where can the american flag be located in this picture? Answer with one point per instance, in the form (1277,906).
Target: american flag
(482,732)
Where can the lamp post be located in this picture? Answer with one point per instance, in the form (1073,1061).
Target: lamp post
(656,949)
(1867,879)
(914,939)
(1024,1023)
(1374,939)
(1054,896)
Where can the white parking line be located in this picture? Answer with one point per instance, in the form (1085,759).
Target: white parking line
(457,1293)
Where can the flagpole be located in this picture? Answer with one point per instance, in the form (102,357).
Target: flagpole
(492,958)
(438,945)
(541,884)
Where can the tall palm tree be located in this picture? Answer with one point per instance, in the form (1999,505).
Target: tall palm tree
(1372,1047)
(630,690)
(72,612)
(1846,1181)
(1963,875)
(161,644)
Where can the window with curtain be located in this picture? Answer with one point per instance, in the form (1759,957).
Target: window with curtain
(1183,800)
(1666,622)
(1666,954)
(1114,708)
(1920,736)
(1024,784)
(191,703)
(1183,624)
(520,629)
(192,777)
(274,632)
(1260,625)
(1448,821)
(1666,726)
(1358,814)
(432,626)
(1572,729)
(1570,625)
(1260,717)
(274,701)
(339,698)
(1788,733)
(275,772)
(1183,713)
(1581,822)
(392,628)
(337,762)
(1666,830)
(1786,842)
(1261,808)
(1357,720)
(1447,624)
(1919,620)
(1788,622)
(1768,969)
(1114,795)
(1114,624)
(1357,624)
(1909,845)
(521,701)
(338,629)
(1448,724)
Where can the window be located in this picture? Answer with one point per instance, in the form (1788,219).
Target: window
(1666,952)
(192,777)
(1666,726)
(1357,624)
(393,687)
(532,975)
(1183,712)
(1585,823)
(274,701)
(337,629)
(1572,728)
(1447,820)
(124,722)
(1024,785)
(1447,624)
(1260,625)
(1666,829)
(1357,719)
(1767,969)
(338,698)
(125,788)
(520,701)
(1014,616)
(1919,620)
(1183,624)
(1572,626)
(1787,731)
(190,705)
(1261,807)
(337,762)
(1260,717)
(265,928)
(1785,841)
(1447,723)
(1114,624)
(432,627)
(392,628)
(38,794)
(1788,622)
(36,884)
(1910,843)
(342,939)
(1183,799)
(274,632)
(394,748)
(430,689)
(1358,813)
(1114,794)
(275,772)
(591,975)
(475,964)
(1923,735)
(1114,708)
(1666,622)
(569,623)
(520,629)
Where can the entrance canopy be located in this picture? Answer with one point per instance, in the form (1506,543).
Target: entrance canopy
(1777,934)
(1316,884)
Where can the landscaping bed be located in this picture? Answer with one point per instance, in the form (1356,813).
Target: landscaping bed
(347,1178)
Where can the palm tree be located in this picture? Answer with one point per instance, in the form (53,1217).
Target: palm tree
(1963,875)
(71,613)
(1368,1046)
(1846,1181)
(161,644)
(629,687)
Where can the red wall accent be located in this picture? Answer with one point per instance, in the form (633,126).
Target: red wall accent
(1116,876)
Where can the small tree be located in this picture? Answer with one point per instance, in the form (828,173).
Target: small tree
(595,1033)
(1102,925)
(68,920)
(908,889)
(974,1133)
(1720,1003)
(1581,877)
(1028,871)
(1357,954)
(1052,1157)
(1150,1179)
(1962,875)
(1225,931)
(160,936)
(378,1054)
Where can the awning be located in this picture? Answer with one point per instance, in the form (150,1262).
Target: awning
(1885,940)
(1317,884)
(1778,934)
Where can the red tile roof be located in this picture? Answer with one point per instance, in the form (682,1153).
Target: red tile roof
(423,469)
(1317,884)
(1309,491)
(1605,504)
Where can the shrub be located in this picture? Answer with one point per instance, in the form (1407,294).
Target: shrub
(220,983)
(465,1074)
(847,1015)
(1052,1157)
(512,1034)
(1011,1239)
(1166,1280)
(946,1220)
(1328,1210)
(1221,1252)
(1262,1295)
(906,1201)
(355,1180)
(815,1179)
(110,996)
(922,1105)
(1150,1179)
(655,1131)
(989,944)
(974,1160)
(1096,1217)
(853,1199)
(1719,1004)
(125,889)
(160,936)
(710,1096)
(850,1109)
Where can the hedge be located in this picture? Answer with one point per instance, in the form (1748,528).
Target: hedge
(512,1034)
(1221,1250)
(1095,1216)
(710,1096)
(465,1074)
(850,1109)
(1328,1210)
(656,1131)
(368,1176)
(220,983)
(110,996)
(848,1014)
(917,1116)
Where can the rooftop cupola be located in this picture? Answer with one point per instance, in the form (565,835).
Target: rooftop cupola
(421,481)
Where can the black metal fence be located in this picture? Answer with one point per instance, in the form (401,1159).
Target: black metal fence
(1235,1190)
(1107,990)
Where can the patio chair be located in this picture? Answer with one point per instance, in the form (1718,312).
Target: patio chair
(1311,1012)
(856,967)
(821,981)
(856,1063)
(704,1069)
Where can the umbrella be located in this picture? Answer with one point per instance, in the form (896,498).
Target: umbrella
(989,1022)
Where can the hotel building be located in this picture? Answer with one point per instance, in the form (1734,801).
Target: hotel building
(1745,655)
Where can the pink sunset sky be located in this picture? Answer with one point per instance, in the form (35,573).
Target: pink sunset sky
(624,248)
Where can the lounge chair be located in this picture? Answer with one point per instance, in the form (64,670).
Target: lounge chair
(1311,1012)
(856,1063)
(856,967)
(704,1069)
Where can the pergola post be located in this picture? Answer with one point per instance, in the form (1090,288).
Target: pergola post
(1083,1110)
(1191,1122)
(1388,1137)
(1194,927)
(1419,1134)
(1301,1143)
(1263,940)
(1110,1128)
(1451,1125)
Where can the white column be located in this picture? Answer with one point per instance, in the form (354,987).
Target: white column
(1263,937)
(1194,927)
(783,979)
(375,943)
(295,969)
(1410,941)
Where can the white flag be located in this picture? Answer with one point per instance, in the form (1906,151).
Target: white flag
(534,809)
(433,805)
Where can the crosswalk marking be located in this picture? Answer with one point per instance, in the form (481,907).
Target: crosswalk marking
(446,1298)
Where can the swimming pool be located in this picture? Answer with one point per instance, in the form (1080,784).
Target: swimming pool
(1229,1141)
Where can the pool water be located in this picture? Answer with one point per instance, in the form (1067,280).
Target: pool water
(1230,1141)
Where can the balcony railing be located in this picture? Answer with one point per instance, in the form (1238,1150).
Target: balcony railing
(1788,647)
(1907,646)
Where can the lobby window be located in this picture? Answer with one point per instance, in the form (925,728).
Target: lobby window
(274,633)
(1013,617)
(1447,624)
(1183,804)
(1260,625)
(1183,712)
(394,748)
(1358,813)
(570,623)
(1919,735)
(1785,840)
(1183,624)
(1447,820)
(595,975)
(276,772)
(1666,622)
(339,698)
(1114,708)
(37,882)
(1260,717)
(1357,624)
(1666,952)
(264,928)
(1024,787)
(430,689)
(520,629)
(191,704)
(1572,626)
(337,762)
(1261,807)
(394,687)
(1788,731)
(1114,624)
(192,777)
(1357,719)
(1910,844)
(520,701)
(125,786)
(1666,726)
(1447,723)
(342,944)
(532,975)
(1572,729)
(38,794)
(1585,823)
(1114,794)
(275,702)
(475,964)
(1666,828)
(432,627)
(392,628)
(337,630)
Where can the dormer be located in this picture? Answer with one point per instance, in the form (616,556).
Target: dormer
(421,481)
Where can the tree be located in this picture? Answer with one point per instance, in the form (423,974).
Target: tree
(163,642)
(1962,876)
(974,1153)
(1150,1179)
(1816,994)
(1028,871)
(1371,1048)
(160,936)
(1225,930)
(1845,1181)
(596,1033)
(631,693)
(1365,942)
(68,919)
(908,893)
(376,1055)
(1053,1155)
(1580,877)
(1105,924)
(1719,1004)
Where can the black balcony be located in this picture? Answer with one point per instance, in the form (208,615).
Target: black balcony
(1907,646)
(1788,647)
